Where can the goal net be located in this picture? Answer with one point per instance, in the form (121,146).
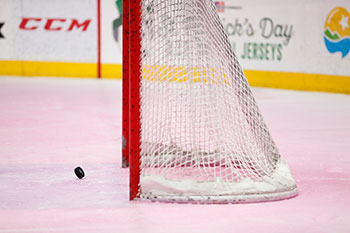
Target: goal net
(200,136)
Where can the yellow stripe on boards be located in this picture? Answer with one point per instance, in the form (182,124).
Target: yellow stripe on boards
(112,71)
(11,68)
(180,74)
(60,69)
(40,68)
(299,81)
(284,80)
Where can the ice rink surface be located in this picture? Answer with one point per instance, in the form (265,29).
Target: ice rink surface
(49,126)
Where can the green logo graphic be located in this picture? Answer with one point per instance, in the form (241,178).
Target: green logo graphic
(1,35)
(119,21)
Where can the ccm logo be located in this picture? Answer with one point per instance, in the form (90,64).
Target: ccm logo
(53,24)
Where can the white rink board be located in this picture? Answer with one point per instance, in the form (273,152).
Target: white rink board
(301,48)
(39,40)
(7,30)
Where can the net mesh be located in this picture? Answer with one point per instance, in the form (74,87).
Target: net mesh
(202,135)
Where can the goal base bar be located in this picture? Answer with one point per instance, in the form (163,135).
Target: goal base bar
(224,199)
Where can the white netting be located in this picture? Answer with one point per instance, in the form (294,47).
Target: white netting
(202,135)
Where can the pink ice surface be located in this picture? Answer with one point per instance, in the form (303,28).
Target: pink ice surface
(49,126)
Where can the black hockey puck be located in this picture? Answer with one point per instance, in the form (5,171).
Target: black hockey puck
(79,172)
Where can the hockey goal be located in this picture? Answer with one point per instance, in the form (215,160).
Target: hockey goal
(191,125)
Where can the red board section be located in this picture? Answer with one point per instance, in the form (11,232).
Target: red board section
(98,38)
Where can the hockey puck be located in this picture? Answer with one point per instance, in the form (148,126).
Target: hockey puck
(79,172)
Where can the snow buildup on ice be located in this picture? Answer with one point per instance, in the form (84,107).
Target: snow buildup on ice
(280,182)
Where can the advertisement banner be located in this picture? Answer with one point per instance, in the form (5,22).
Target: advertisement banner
(294,36)
(55,30)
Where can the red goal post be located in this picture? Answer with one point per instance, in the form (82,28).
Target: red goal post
(131,91)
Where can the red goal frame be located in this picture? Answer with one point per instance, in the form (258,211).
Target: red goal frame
(131,92)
